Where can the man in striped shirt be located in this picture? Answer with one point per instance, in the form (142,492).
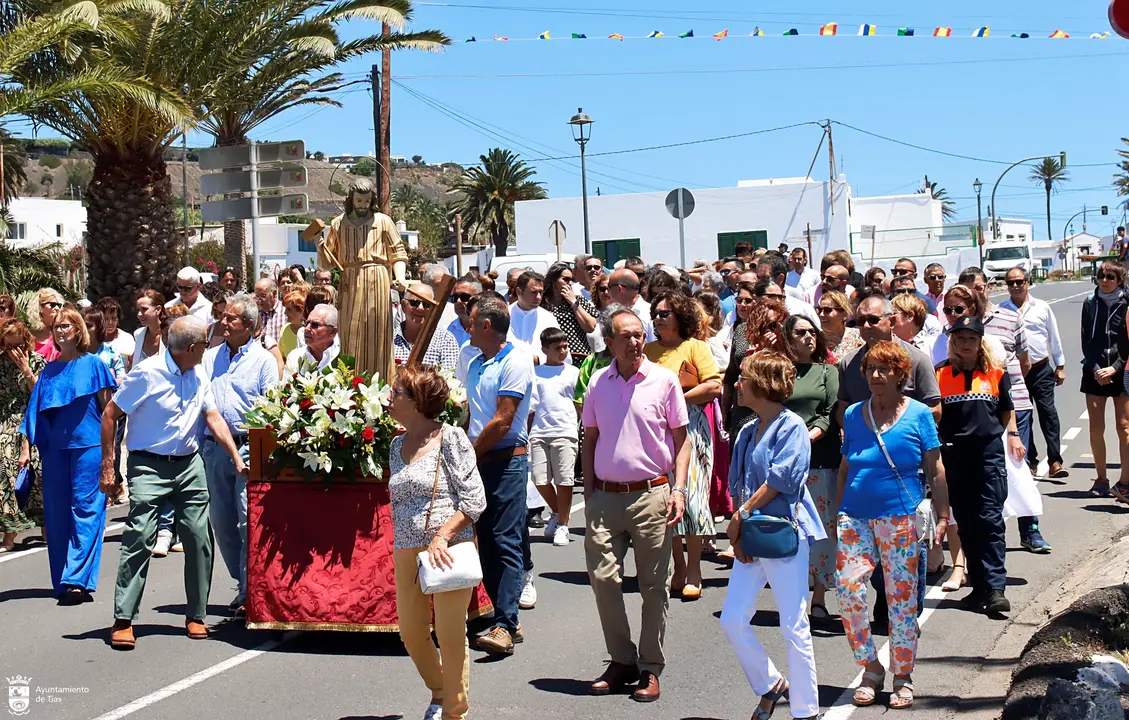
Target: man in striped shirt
(1006,326)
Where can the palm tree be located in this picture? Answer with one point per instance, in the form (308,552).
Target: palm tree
(296,43)
(1050,174)
(948,207)
(489,193)
(1121,179)
(14,159)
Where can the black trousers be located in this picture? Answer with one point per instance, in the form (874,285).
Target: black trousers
(1040,383)
(977,477)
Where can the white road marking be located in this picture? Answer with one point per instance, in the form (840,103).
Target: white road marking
(843,707)
(577,506)
(24,553)
(1069,297)
(1085,415)
(205,674)
(1087,455)
(1071,433)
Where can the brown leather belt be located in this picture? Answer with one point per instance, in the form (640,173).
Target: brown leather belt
(495,456)
(630,487)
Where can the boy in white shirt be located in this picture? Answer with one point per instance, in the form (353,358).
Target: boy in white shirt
(553,439)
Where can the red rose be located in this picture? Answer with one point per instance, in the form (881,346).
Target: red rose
(368,434)
(270,427)
(306,404)
(357,382)
(331,413)
(343,441)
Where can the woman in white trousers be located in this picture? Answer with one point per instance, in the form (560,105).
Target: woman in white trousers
(768,475)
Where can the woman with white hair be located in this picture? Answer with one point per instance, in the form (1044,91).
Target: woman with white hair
(41,313)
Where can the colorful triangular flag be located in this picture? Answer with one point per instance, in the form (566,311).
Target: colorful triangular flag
(655,34)
(982,32)
(579,36)
(1059,34)
(829,29)
(1021,36)
(687,34)
(470,39)
(905,32)
(943,32)
(544,36)
(757,32)
(719,35)
(615,36)
(1099,36)
(500,39)
(793,31)
(867,29)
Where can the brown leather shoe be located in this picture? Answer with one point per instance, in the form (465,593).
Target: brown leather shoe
(497,641)
(615,678)
(1056,470)
(121,635)
(648,688)
(197,630)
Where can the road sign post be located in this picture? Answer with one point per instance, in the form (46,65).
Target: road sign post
(557,236)
(680,204)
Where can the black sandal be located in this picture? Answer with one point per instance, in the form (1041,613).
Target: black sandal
(1100,489)
(815,613)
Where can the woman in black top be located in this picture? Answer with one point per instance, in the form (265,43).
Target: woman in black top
(1103,364)
(575,314)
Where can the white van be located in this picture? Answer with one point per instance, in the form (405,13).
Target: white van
(999,257)
(538,262)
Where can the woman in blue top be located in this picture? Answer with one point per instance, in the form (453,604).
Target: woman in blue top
(886,440)
(768,474)
(64,420)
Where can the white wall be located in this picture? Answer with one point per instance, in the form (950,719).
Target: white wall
(41,219)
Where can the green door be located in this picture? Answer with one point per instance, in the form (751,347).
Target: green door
(612,251)
(727,241)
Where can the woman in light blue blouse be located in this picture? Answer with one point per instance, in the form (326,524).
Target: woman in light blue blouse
(96,328)
(768,474)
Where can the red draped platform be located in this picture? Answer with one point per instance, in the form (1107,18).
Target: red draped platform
(320,559)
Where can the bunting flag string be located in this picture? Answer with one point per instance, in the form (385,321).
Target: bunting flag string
(830,29)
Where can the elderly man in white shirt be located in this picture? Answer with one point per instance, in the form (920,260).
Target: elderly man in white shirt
(800,276)
(772,266)
(165,398)
(527,318)
(320,348)
(1048,365)
(188,287)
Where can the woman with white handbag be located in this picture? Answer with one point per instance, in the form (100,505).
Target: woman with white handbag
(437,495)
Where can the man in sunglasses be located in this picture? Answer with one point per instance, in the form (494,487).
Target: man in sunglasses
(904,285)
(320,349)
(623,288)
(1005,325)
(188,294)
(836,278)
(908,268)
(466,288)
(935,285)
(589,269)
(443,351)
(774,267)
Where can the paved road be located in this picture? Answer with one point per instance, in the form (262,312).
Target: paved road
(245,674)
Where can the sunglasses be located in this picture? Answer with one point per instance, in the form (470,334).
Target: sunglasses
(905,291)
(955,309)
(934,278)
(746,301)
(1016,283)
(901,271)
(602,288)
(53,305)
(462,297)
(824,310)
(566,278)
(1108,276)
(662,314)
(727,272)
(803,332)
(593,268)
(315,325)
(185,288)
(869,320)
(832,278)
(417,304)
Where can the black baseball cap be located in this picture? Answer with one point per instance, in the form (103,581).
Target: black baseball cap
(967,322)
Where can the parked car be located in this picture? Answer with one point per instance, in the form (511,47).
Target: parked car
(999,257)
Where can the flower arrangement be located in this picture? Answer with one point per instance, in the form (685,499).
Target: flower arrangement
(335,423)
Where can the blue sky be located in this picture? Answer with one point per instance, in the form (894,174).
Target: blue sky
(999,99)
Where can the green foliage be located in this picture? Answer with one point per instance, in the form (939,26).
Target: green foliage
(319,156)
(948,207)
(1050,174)
(430,219)
(14,161)
(195,219)
(417,159)
(50,161)
(80,173)
(28,269)
(365,166)
(206,253)
(490,191)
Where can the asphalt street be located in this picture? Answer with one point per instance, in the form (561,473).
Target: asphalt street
(244,674)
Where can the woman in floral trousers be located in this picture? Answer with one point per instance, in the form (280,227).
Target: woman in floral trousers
(886,440)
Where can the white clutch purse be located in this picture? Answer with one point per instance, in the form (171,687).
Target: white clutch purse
(465,573)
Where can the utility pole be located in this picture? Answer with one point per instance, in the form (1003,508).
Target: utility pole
(184,190)
(831,163)
(384,153)
(459,245)
(377,116)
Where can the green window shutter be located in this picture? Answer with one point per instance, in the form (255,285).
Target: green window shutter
(727,241)
(612,251)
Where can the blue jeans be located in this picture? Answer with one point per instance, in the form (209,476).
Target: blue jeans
(1023,422)
(227,508)
(503,539)
(166,518)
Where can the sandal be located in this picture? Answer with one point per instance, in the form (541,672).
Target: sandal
(950,586)
(773,696)
(1100,489)
(865,695)
(1121,493)
(819,613)
(902,696)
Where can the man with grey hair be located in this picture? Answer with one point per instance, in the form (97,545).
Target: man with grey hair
(271,311)
(241,371)
(442,352)
(432,276)
(466,288)
(320,349)
(188,293)
(165,397)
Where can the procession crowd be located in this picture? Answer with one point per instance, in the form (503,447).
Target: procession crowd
(845,429)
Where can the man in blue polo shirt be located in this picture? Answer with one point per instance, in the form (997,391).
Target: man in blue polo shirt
(499,388)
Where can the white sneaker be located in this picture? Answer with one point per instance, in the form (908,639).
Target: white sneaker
(551,526)
(528,592)
(164,540)
(561,536)
(433,712)
(177,546)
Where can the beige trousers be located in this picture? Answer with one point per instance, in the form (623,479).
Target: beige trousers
(612,519)
(446,671)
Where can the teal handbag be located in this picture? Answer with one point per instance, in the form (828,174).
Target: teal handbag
(768,536)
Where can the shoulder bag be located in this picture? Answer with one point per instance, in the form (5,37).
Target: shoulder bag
(466,569)
(925,519)
(24,480)
(768,536)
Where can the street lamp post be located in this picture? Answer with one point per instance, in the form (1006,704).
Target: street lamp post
(582,132)
(992,208)
(978,186)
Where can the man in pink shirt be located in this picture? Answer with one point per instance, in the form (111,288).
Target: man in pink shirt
(635,422)
(835,278)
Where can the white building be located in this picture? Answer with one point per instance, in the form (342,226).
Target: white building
(800,212)
(41,221)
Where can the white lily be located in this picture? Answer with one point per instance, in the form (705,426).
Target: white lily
(346,423)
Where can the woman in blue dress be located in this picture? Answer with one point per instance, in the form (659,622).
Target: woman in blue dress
(63,420)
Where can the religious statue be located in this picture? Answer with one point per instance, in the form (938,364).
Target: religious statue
(365,246)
